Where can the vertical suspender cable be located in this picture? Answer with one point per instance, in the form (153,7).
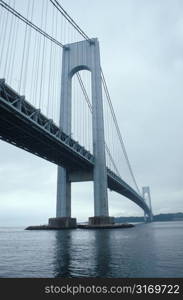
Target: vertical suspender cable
(4,39)
(28,50)
(23,55)
(14,51)
(50,63)
(9,46)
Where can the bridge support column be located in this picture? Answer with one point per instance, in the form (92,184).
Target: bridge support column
(100,172)
(63,193)
(146,195)
(63,210)
(84,55)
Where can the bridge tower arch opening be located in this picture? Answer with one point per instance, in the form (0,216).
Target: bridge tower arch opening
(81,109)
(84,55)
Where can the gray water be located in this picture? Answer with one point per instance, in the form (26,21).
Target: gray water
(147,250)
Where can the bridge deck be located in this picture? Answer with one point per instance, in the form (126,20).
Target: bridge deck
(23,126)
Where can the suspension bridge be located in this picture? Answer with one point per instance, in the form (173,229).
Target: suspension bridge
(55,103)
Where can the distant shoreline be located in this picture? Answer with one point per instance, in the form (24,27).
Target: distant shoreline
(156,218)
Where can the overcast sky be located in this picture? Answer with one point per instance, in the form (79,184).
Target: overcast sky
(141,44)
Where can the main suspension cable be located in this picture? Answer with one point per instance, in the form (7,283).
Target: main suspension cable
(28,22)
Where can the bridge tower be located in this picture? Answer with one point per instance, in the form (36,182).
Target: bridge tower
(146,195)
(84,55)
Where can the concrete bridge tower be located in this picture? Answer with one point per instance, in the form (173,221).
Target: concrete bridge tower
(84,55)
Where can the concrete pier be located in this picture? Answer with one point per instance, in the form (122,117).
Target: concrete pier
(105,226)
(62,222)
(81,226)
(101,220)
(56,223)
